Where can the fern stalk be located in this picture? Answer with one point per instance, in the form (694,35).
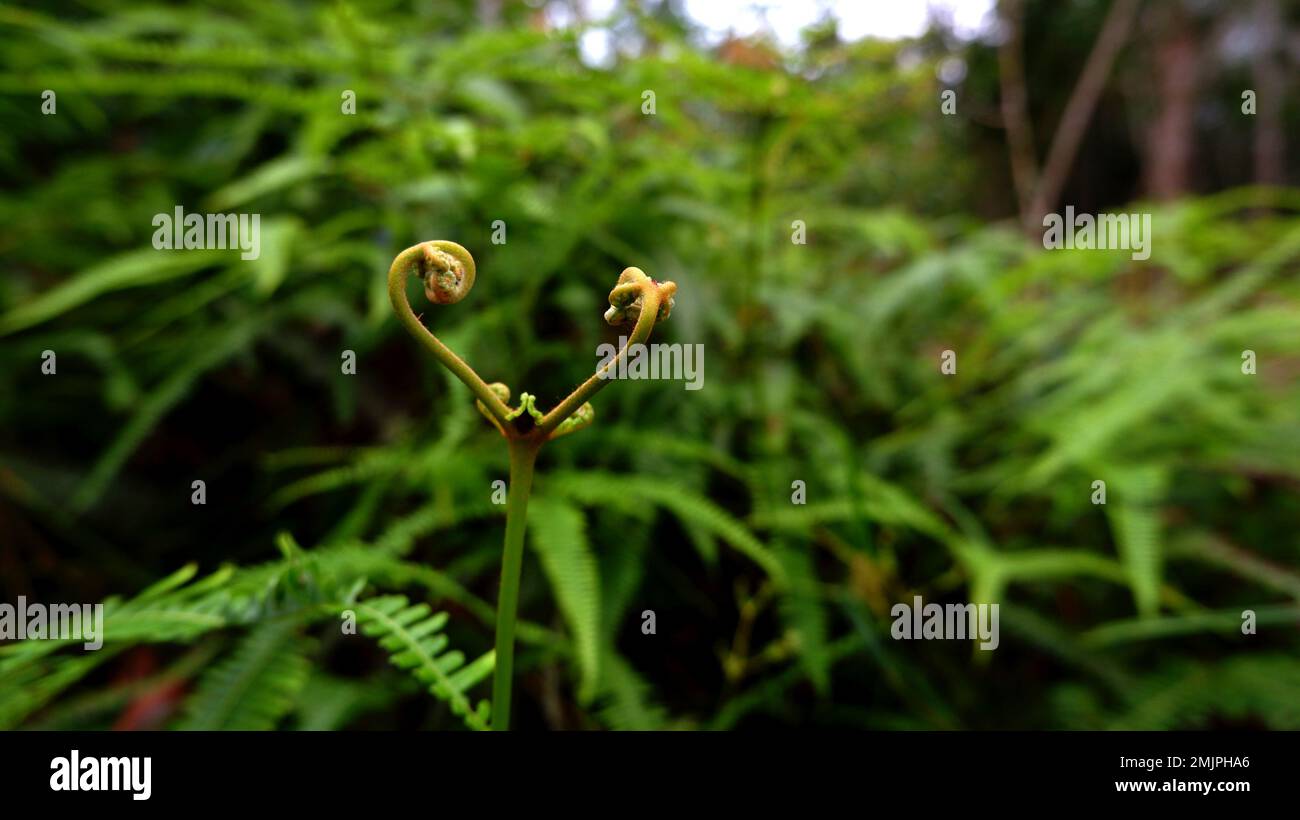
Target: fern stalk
(523,455)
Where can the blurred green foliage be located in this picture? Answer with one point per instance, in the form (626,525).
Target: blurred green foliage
(822,366)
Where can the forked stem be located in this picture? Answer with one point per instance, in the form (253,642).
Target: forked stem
(447,271)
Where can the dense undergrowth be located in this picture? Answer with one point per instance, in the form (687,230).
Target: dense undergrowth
(821,366)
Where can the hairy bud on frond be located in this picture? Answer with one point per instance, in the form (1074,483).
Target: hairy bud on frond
(627,297)
(447,270)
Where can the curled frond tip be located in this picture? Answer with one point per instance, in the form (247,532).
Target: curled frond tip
(628,296)
(447,270)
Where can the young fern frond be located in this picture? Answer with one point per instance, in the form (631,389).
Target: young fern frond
(447,271)
(413,636)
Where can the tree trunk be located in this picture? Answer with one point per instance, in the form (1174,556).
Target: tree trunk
(1269,90)
(1170,137)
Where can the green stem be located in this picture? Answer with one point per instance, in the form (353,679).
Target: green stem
(523,454)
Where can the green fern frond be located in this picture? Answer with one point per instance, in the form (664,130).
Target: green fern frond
(257,685)
(27,685)
(1225,622)
(329,703)
(413,637)
(1249,690)
(1135,520)
(621,490)
(803,612)
(625,698)
(880,500)
(560,538)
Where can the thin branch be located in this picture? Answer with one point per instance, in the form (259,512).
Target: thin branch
(1078,111)
(1015,110)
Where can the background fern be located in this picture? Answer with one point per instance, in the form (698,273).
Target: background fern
(256,686)
(821,367)
(413,637)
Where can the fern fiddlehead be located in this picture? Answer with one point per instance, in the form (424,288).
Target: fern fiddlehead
(447,271)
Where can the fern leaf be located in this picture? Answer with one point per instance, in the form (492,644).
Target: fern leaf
(1135,521)
(413,637)
(560,538)
(257,685)
(625,698)
(635,491)
(802,611)
(328,703)
(26,685)
(1244,690)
